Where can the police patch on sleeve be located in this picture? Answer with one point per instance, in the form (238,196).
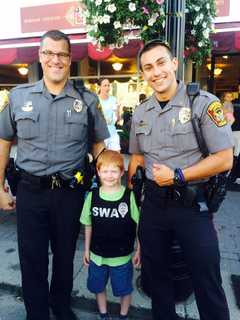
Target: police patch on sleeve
(215,112)
(3,99)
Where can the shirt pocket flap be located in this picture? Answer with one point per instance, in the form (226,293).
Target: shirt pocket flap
(75,118)
(146,130)
(34,116)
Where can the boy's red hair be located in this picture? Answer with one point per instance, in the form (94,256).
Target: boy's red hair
(110,157)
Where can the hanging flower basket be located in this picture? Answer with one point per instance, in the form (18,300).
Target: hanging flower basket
(112,23)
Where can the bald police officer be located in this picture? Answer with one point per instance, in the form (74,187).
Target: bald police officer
(50,120)
(162,139)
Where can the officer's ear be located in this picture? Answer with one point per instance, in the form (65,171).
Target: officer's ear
(175,63)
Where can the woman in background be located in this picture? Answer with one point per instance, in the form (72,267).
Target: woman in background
(228,107)
(110,111)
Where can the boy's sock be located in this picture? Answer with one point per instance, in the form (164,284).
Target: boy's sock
(123,317)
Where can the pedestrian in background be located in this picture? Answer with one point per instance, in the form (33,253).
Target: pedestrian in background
(110,216)
(228,107)
(162,140)
(110,111)
(50,120)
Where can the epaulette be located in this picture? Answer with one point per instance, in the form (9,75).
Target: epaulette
(4,99)
(23,86)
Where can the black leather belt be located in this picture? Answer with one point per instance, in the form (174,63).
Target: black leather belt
(53,181)
(188,194)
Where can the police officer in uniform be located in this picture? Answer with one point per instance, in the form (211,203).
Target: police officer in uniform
(162,139)
(50,120)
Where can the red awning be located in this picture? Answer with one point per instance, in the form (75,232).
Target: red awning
(237,40)
(130,50)
(97,54)
(26,50)
(7,56)
(225,42)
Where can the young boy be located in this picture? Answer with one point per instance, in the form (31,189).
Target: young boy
(110,216)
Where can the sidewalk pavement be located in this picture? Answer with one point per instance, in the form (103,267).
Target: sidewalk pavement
(227,223)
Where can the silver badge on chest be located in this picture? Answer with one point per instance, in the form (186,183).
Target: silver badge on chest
(78,105)
(28,107)
(184,115)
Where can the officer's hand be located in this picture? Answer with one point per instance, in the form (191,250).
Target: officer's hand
(7,203)
(162,175)
(86,258)
(136,259)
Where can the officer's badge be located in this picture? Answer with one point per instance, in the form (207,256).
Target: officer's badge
(77,105)
(3,99)
(215,112)
(185,115)
(28,107)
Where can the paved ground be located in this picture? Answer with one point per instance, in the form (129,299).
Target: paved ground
(227,223)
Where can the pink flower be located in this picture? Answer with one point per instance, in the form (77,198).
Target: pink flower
(159,1)
(145,10)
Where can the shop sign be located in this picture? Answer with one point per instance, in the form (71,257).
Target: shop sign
(223,8)
(52,16)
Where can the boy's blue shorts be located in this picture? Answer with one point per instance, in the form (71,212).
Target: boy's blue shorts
(120,277)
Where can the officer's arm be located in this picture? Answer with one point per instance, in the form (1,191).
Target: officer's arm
(135,160)
(97,148)
(6,202)
(215,163)
(4,157)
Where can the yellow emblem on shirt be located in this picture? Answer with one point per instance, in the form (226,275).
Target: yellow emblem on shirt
(215,112)
(3,99)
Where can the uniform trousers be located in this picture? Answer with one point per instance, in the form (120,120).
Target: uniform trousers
(159,220)
(44,217)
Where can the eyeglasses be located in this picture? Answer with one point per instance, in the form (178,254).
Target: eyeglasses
(50,55)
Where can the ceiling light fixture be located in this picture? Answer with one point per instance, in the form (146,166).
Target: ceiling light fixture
(117,66)
(217,71)
(23,71)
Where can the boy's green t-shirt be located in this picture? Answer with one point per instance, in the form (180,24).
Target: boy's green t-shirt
(86,220)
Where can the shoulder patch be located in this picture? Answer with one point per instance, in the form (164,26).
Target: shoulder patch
(4,99)
(215,112)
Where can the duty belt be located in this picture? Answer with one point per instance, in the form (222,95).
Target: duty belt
(53,181)
(188,195)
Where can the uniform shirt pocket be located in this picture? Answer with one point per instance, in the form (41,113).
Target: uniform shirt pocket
(76,125)
(143,134)
(27,124)
(184,137)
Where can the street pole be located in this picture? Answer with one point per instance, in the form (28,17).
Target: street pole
(175,31)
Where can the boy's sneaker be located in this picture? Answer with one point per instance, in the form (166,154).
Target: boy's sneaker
(104,317)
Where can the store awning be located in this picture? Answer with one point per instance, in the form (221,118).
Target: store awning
(226,42)
(26,50)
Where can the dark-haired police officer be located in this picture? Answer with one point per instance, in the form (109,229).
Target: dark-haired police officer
(162,139)
(50,120)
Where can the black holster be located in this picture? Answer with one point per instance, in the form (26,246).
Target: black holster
(138,183)
(216,190)
(12,175)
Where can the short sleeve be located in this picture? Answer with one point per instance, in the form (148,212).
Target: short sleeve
(7,128)
(133,142)
(216,132)
(134,208)
(86,211)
